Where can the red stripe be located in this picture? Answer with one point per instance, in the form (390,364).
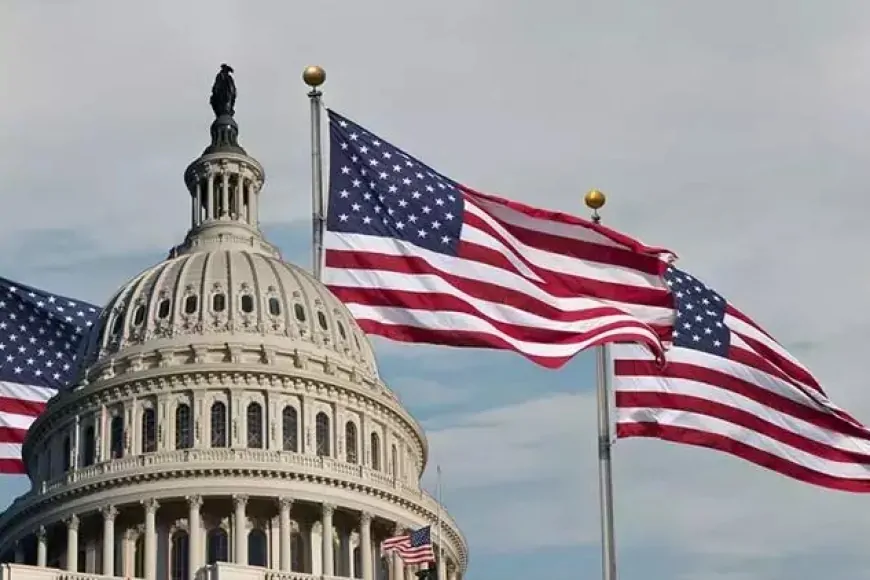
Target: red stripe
(12,435)
(349,260)
(735,416)
(571,248)
(679,370)
(795,372)
(448,303)
(11,466)
(16,406)
(469,339)
(739,449)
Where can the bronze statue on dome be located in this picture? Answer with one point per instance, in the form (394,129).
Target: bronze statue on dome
(223,93)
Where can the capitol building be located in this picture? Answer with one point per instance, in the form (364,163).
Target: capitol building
(229,423)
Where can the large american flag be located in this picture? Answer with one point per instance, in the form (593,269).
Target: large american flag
(40,335)
(413,548)
(418,257)
(730,386)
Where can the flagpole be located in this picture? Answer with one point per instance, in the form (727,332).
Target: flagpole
(440,543)
(595,200)
(314,76)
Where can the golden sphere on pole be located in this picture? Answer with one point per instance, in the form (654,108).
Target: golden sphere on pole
(314,76)
(595,199)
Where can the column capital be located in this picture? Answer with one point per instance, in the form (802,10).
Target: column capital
(131,534)
(328,509)
(72,522)
(194,501)
(285,503)
(41,533)
(240,499)
(109,512)
(150,505)
(365,518)
(398,529)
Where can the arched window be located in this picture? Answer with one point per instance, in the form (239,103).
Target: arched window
(149,431)
(289,428)
(255,426)
(139,558)
(357,563)
(297,553)
(217,546)
(89,446)
(394,457)
(350,442)
(183,432)
(178,563)
(376,451)
(257,553)
(218,424)
(116,437)
(66,453)
(321,426)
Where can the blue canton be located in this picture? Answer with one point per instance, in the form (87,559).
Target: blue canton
(377,189)
(700,319)
(40,335)
(421,537)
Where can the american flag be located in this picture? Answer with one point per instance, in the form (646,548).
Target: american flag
(418,257)
(40,335)
(730,386)
(413,548)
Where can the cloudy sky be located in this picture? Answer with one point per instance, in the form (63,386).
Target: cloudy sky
(736,133)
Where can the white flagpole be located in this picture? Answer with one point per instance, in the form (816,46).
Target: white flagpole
(595,200)
(314,76)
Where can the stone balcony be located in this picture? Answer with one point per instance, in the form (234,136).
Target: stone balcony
(219,571)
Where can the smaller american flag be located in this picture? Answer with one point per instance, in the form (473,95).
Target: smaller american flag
(413,548)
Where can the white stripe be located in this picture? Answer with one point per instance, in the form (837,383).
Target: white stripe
(686,420)
(10,451)
(557,263)
(431,283)
(725,366)
(459,322)
(673,386)
(750,331)
(25,392)
(477,272)
(16,421)
(544,226)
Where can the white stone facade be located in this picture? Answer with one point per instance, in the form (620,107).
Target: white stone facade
(230,423)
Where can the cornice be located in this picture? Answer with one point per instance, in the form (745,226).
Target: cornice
(226,463)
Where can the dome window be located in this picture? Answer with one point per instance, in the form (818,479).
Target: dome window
(190,304)
(149,431)
(116,436)
(299,312)
(217,546)
(350,442)
(163,309)
(321,320)
(90,446)
(356,341)
(117,323)
(255,426)
(183,431)
(218,424)
(376,451)
(274,306)
(321,429)
(218,302)
(139,315)
(290,420)
(247,303)
(341,331)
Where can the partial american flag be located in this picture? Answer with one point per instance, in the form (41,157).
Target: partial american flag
(40,334)
(413,548)
(418,257)
(730,386)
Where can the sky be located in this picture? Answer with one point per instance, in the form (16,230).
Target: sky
(735,133)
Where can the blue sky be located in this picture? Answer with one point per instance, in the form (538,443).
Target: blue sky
(734,133)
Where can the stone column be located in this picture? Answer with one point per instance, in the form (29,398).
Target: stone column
(284,505)
(109,515)
(225,193)
(409,572)
(128,554)
(72,543)
(442,569)
(398,566)
(253,210)
(209,192)
(240,534)
(41,547)
(150,544)
(452,574)
(328,558)
(365,545)
(194,535)
(197,203)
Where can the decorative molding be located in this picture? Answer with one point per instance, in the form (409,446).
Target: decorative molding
(109,512)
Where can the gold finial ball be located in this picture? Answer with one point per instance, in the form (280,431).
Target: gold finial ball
(595,199)
(314,76)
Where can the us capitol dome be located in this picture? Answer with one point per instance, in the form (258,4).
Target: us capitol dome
(229,422)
